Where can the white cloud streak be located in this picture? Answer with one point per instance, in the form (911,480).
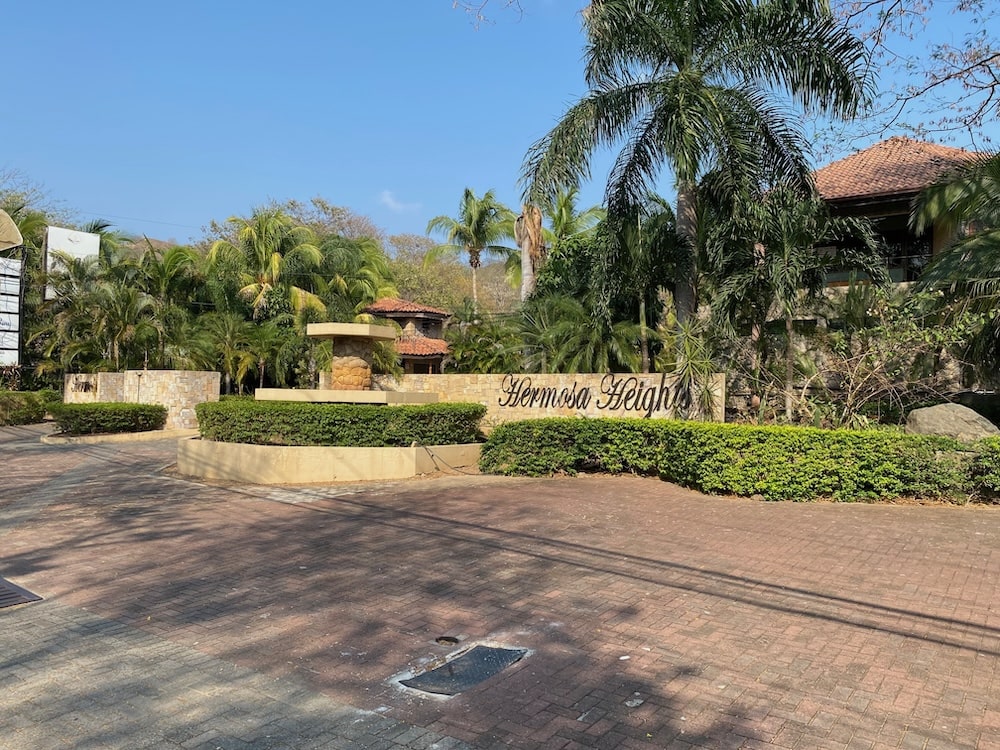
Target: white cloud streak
(387,199)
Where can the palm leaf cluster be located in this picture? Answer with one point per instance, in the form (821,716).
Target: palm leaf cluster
(239,305)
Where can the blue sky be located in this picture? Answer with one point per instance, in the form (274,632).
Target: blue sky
(162,117)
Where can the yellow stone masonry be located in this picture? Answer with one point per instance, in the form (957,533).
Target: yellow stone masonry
(513,397)
(179,390)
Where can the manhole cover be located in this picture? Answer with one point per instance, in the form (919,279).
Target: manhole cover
(465,671)
(10,594)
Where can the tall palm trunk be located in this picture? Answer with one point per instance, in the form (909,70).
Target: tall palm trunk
(685,296)
(789,367)
(527,274)
(474,263)
(643,334)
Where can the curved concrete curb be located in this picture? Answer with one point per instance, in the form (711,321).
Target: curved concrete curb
(285,464)
(117,437)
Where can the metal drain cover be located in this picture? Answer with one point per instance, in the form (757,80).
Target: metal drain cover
(11,594)
(466,671)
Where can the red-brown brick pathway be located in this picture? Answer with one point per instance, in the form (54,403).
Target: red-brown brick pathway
(655,617)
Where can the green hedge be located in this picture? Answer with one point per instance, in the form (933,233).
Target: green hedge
(985,470)
(101,418)
(778,463)
(22,407)
(361,425)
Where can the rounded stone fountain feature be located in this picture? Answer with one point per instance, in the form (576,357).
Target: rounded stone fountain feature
(351,369)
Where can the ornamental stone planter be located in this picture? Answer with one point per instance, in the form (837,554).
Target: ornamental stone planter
(286,464)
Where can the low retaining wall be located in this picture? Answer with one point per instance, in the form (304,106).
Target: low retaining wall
(284,464)
(514,397)
(178,390)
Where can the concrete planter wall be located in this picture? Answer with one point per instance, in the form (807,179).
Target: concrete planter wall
(283,464)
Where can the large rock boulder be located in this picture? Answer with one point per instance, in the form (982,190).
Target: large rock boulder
(950,420)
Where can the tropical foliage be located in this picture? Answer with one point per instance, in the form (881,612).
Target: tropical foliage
(238,303)
(482,226)
(694,86)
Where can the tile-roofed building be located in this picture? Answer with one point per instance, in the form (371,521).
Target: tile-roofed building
(396,306)
(896,167)
(421,345)
(880,183)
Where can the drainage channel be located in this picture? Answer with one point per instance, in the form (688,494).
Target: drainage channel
(11,594)
(464,669)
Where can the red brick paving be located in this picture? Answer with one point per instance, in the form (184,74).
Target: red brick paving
(656,617)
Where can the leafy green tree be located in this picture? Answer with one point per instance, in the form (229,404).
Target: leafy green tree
(481,226)
(694,85)
(438,281)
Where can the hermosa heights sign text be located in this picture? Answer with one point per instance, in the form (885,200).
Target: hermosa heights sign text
(616,393)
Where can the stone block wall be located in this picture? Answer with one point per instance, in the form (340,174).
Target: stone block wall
(513,397)
(179,390)
(94,387)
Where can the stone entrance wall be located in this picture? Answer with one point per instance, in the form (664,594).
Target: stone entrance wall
(179,390)
(513,397)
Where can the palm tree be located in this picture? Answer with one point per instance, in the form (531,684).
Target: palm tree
(482,224)
(352,275)
(170,278)
(965,203)
(562,335)
(564,220)
(790,242)
(696,84)
(227,337)
(269,251)
(262,345)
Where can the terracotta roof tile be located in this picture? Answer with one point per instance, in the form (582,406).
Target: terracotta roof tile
(396,305)
(897,166)
(418,345)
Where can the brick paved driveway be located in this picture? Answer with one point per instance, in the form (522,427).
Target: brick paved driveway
(655,617)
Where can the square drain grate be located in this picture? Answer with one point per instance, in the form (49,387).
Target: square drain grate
(465,671)
(11,594)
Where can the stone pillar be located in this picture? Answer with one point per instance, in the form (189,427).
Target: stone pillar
(351,366)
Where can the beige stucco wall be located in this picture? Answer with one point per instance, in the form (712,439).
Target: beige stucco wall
(513,397)
(179,390)
(280,464)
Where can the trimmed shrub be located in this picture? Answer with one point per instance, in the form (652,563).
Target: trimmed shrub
(22,407)
(102,418)
(49,396)
(985,470)
(778,463)
(359,425)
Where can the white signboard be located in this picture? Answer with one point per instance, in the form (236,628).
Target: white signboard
(9,321)
(10,267)
(8,348)
(10,310)
(71,242)
(10,286)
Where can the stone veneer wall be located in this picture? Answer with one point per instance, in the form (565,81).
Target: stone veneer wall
(512,397)
(179,390)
